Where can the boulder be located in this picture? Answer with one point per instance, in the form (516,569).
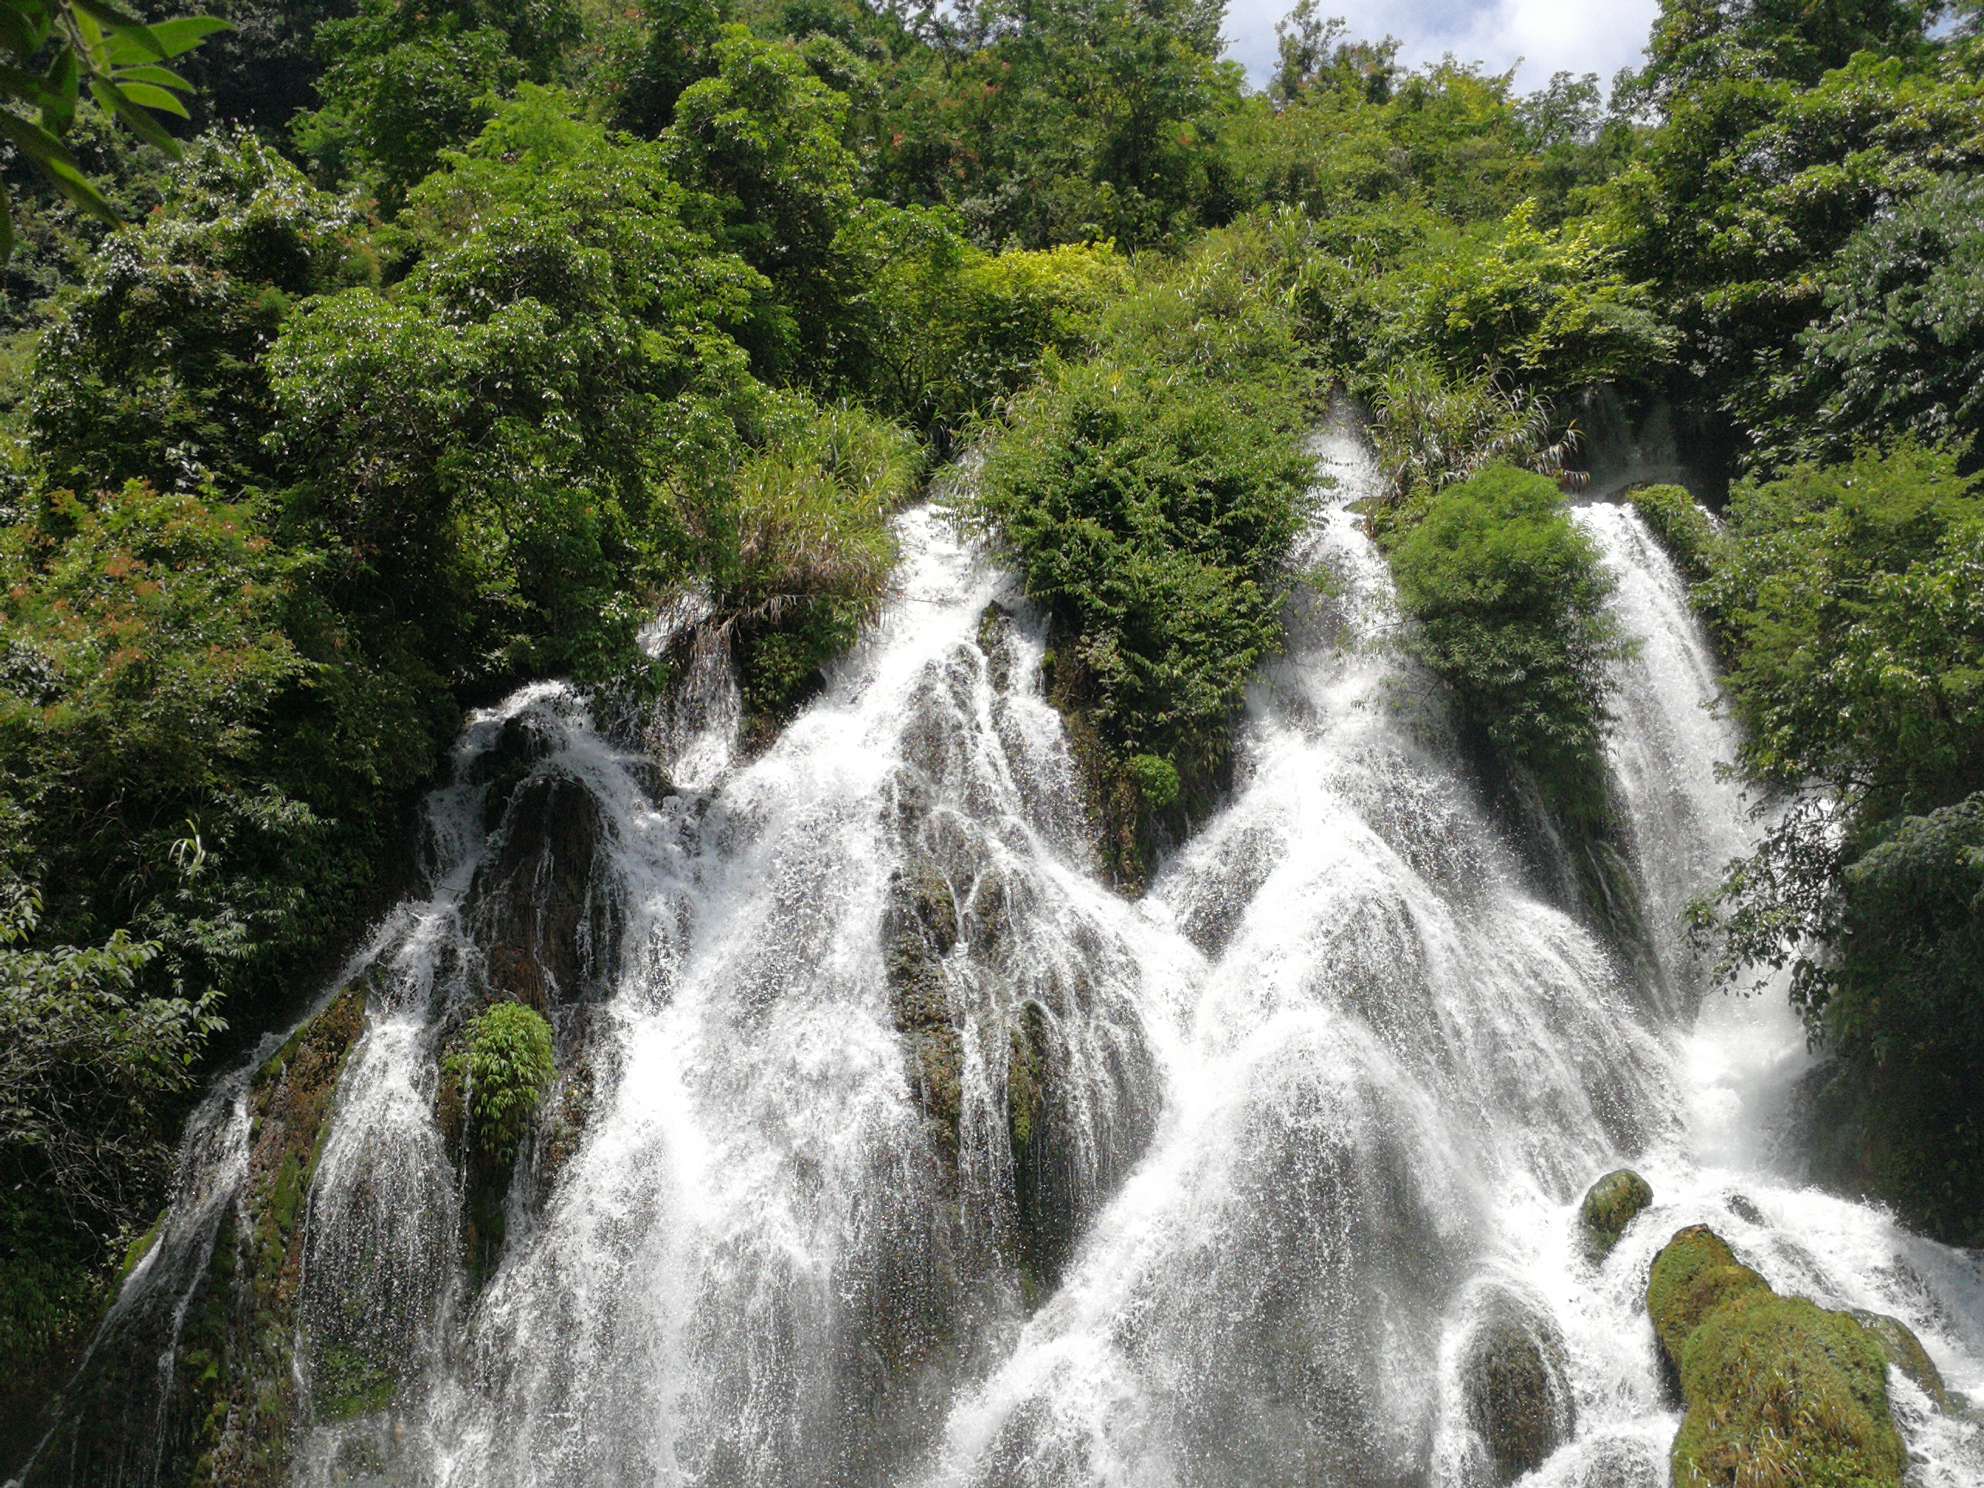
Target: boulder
(1513,1383)
(545,934)
(1777,1390)
(1905,1352)
(1609,1206)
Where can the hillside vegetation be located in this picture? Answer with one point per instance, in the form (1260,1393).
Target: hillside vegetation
(436,346)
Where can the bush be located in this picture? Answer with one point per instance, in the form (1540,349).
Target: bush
(1508,598)
(503,1068)
(811,552)
(1680,525)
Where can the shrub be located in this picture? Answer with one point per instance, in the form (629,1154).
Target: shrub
(1156,779)
(1680,525)
(1508,598)
(503,1067)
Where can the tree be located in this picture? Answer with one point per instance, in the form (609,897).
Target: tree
(1900,351)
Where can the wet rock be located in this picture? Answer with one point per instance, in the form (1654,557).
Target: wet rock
(1744,1209)
(1609,1206)
(1905,1352)
(1777,1389)
(520,743)
(1619,1463)
(919,928)
(545,931)
(995,632)
(1513,1379)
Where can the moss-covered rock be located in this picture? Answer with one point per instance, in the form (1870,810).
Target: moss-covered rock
(1610,1204)
(1905,1352)
(1780,1393)
(1515,1388)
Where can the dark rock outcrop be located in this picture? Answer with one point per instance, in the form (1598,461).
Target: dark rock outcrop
(1514,1384)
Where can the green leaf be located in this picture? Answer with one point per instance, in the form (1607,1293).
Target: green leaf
(32,140)
(25,86)
(142,124)
(6,229)
(151,97)
(109,16)
(74,185)
(58,107)
(166,39)
(165,77)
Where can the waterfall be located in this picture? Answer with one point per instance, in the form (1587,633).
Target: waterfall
(889,1146)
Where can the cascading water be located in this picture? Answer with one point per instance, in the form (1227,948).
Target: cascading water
(889,1147)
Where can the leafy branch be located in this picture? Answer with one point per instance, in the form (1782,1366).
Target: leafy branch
(51,50)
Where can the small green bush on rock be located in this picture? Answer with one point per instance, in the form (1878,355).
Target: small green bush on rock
(1683,528)
(503,1069)
(1509,597)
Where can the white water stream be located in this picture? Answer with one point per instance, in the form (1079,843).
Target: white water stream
(1307,1123)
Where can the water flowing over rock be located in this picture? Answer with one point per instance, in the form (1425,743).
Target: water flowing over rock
(888,1145)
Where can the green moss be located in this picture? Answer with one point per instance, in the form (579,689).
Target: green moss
(138,1249)
(1780,1393)
(1609,1206)
(1898,1343)
(350,1383)
(1693,1275)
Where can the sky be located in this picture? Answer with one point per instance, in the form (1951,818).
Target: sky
(1544,36)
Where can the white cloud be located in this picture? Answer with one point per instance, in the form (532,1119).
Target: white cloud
(1545,36)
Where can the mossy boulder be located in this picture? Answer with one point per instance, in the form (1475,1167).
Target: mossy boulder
(1515,1386)
(1779,1392)
(1610,1204)
(1905,1352)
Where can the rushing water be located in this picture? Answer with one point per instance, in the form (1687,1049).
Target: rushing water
(1302,1129)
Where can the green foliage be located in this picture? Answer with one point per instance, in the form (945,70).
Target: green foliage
(154,372)
(764,137)
(1432,429)
(1906,1009)
(1156,780)
(1548,303)
(57,52)
(504,1067)
(403,83)
(1150,497)
(1900,350)
(1688,533)
(1851,603)
(533,429)
(1507,598)
(1849,596)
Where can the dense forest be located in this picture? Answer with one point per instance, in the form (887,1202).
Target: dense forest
(361,359)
